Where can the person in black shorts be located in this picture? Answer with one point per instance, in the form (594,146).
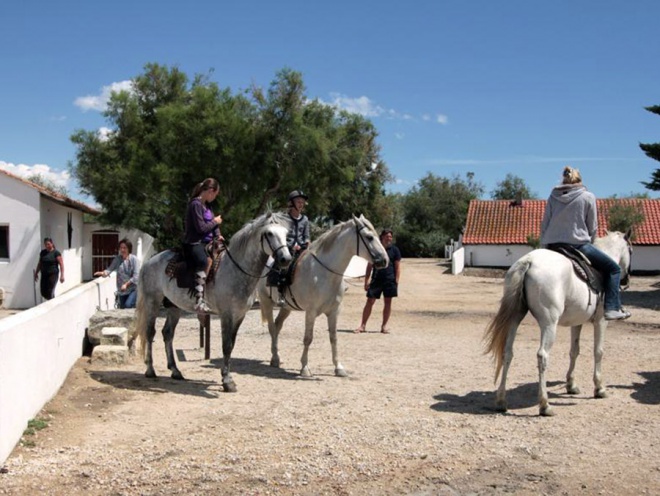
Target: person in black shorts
(382,282)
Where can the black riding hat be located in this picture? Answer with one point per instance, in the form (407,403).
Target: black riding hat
(297,193)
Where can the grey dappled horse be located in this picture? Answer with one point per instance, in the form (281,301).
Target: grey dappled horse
(230,296)
(544,283)
(318,284)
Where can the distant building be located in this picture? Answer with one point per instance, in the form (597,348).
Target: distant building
(497,231)
(28,214)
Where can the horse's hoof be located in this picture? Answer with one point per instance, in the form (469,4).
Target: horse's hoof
(275,363)
(306,373)
(501,407)
(548,411)
(600,393)
(229,387)
(178,376)
(150,373)
(341,372)
(573,390)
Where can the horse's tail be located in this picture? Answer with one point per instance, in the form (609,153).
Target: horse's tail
(513,309)
(141,317)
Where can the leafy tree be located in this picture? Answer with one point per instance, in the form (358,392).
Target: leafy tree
(434,212)
(652,150)
(48,184)
(533,240)
(511,188)
(168,133)
(622,216)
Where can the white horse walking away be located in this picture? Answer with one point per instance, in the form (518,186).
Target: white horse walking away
(318,284)
(229,296)
(544,283)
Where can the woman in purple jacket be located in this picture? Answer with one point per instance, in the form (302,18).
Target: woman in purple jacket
(201,226)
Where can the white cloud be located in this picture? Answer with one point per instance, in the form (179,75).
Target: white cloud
(60,178)
(361,105)
(399,136)
(366,107)
(100,102)
(104,133)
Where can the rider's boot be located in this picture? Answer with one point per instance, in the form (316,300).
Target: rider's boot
(200,282)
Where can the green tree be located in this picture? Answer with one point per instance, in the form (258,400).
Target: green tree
(434,212)
(652,150)
(168,133)
(624,215)
(512,187)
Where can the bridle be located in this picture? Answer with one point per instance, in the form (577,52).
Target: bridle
(272,249)
(358,237)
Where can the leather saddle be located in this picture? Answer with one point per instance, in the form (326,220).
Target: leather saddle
(283,279)
(581,266)
(177,268)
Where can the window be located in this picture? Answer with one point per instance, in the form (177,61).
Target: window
(4,243)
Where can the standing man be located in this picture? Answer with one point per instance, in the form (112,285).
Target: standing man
(384,281)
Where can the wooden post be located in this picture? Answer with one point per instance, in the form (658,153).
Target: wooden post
(205,335)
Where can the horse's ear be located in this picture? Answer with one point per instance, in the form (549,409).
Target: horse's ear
(628,235)
(355,218)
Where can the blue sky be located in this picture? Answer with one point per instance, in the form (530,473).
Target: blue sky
(488,87)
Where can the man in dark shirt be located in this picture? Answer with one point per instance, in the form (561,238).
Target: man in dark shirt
(384,281)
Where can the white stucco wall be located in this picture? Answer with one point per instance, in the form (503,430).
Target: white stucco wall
(645,258)
(494,255)
(39,346)
(19,209)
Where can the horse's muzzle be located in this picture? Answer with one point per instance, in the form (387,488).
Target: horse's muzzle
(283,259)
(380,263)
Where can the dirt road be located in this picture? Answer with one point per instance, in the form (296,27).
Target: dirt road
(415,415)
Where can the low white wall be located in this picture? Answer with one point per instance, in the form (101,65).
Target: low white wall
(458,261)
(38,347)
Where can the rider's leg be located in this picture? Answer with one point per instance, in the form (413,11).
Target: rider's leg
(612,278)
(201,262)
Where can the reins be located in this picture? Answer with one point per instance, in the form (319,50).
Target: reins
(358,238)
(273,250)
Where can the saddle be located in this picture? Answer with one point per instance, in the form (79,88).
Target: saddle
(177,268)
(581,266)
(283,279)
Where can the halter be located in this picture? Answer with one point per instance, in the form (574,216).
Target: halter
(273,250)
(358,237)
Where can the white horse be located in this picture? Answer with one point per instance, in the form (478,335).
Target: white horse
(318,284)
(230,296)
(544,283)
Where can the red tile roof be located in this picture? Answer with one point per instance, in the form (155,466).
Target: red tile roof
(52,195)
(505,222)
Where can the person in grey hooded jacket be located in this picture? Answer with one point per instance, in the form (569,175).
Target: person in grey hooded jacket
(571,218)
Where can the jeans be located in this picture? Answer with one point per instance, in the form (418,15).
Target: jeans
(611,274)
(128,300)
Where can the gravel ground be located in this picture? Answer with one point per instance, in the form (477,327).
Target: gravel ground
(415,415)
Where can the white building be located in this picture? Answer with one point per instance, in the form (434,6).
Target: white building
(28,214)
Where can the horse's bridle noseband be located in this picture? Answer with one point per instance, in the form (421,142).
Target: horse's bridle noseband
(358,237)
(270,245)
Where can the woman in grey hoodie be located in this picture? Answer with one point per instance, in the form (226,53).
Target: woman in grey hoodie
(571,218)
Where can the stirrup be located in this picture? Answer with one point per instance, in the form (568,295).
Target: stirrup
(202,308)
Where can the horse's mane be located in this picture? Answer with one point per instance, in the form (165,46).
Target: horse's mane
(239,241)
(329,237)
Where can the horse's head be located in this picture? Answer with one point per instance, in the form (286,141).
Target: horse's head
(618,245)
(368,239)
(273,243)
